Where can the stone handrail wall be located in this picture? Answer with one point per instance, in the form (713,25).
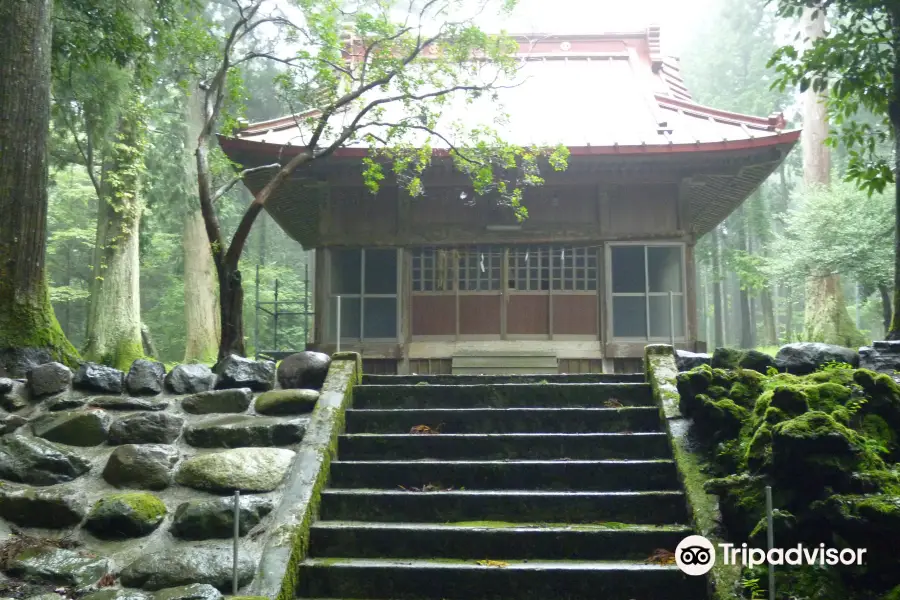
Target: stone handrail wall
(661,370)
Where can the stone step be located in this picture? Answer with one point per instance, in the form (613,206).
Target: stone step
(399,506)
(562,475)
(497,540)
(499,446)
(505,420)
(503,395)
(495,379)
(462,580)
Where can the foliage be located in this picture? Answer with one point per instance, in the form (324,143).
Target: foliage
(854,62)
(857,227)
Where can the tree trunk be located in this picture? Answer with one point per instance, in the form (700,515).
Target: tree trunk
(746,308)
(114,317)
(768,313)
(201,312)
(27,321)
(893,332)
(718,308)
(886,312)
(826,318)
(232,312)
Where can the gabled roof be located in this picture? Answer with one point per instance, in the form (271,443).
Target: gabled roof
(597,94)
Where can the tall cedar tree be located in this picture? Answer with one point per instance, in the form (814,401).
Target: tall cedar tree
(858,63)
(27,320)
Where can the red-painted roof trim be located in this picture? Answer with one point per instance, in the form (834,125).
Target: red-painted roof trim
(786,137)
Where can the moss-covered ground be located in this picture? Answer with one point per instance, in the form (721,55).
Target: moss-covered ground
(829,445)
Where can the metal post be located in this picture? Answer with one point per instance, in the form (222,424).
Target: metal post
(256,319)
(771,539)
(338,324)
(672,319)
(237,537)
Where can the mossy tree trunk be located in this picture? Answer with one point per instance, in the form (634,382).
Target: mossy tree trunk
(826,318)
(114,316)
(27,320)
(201,309)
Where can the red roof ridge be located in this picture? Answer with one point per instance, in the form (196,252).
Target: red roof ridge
(278,123)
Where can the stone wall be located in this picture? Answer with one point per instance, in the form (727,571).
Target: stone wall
(116,485)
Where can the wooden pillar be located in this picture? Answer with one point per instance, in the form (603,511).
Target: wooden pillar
(690,295)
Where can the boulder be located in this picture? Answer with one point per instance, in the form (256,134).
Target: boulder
(239,372)
(685,361)
(6,385)
(59,566)
(10,423)
(74,428)
(16,398)
(49,509)
(38,462)
(241,431)
(304,370)
(881,357)
(49,378)
(198,591)
(210,519)
(286,402)
(65,402)
(127,403)
(146,428)
(99,378)
(253,470)
(128,515)
(16,362)
(757,361)
(141,466)
(116,594)
(219,401)
(805,357)
(145,377)
(190,379)
(725,358)
(186,565)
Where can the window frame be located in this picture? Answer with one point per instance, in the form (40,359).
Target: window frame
(646,294)
(362,296)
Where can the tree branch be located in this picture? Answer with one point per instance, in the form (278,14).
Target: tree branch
(225,188)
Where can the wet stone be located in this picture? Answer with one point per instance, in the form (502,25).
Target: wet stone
(74,428)
(198,591)
(304,370)
(145,377)
(10,423)
(16,398)
(126,403)
(146,428)
(59,566)
(805,357)
(286,402)
(65,402)
(253,470)
(219,401)
(190,379)
(210,519)
(41,508)
(117,594)
(6,385)
(141,466)
(50,378)
(38,462)
(241,431)
(185,565)
(99,378)
(239,372)
(128,515)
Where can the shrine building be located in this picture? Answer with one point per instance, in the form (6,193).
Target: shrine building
(602,266)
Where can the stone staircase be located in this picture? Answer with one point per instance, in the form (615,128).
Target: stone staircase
(536,488)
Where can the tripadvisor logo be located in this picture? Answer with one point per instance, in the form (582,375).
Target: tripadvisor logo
(696,555)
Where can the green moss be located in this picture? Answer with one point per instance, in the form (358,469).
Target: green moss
(894,594)
(33,325)
(356,357)
(146,506)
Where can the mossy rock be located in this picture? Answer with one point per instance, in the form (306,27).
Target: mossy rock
(73,428)
(726,358)
(790,400)
(718,420)
(784,527)
(287,402)
(127,515)
(741,502)
(690,385)
(253,470)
